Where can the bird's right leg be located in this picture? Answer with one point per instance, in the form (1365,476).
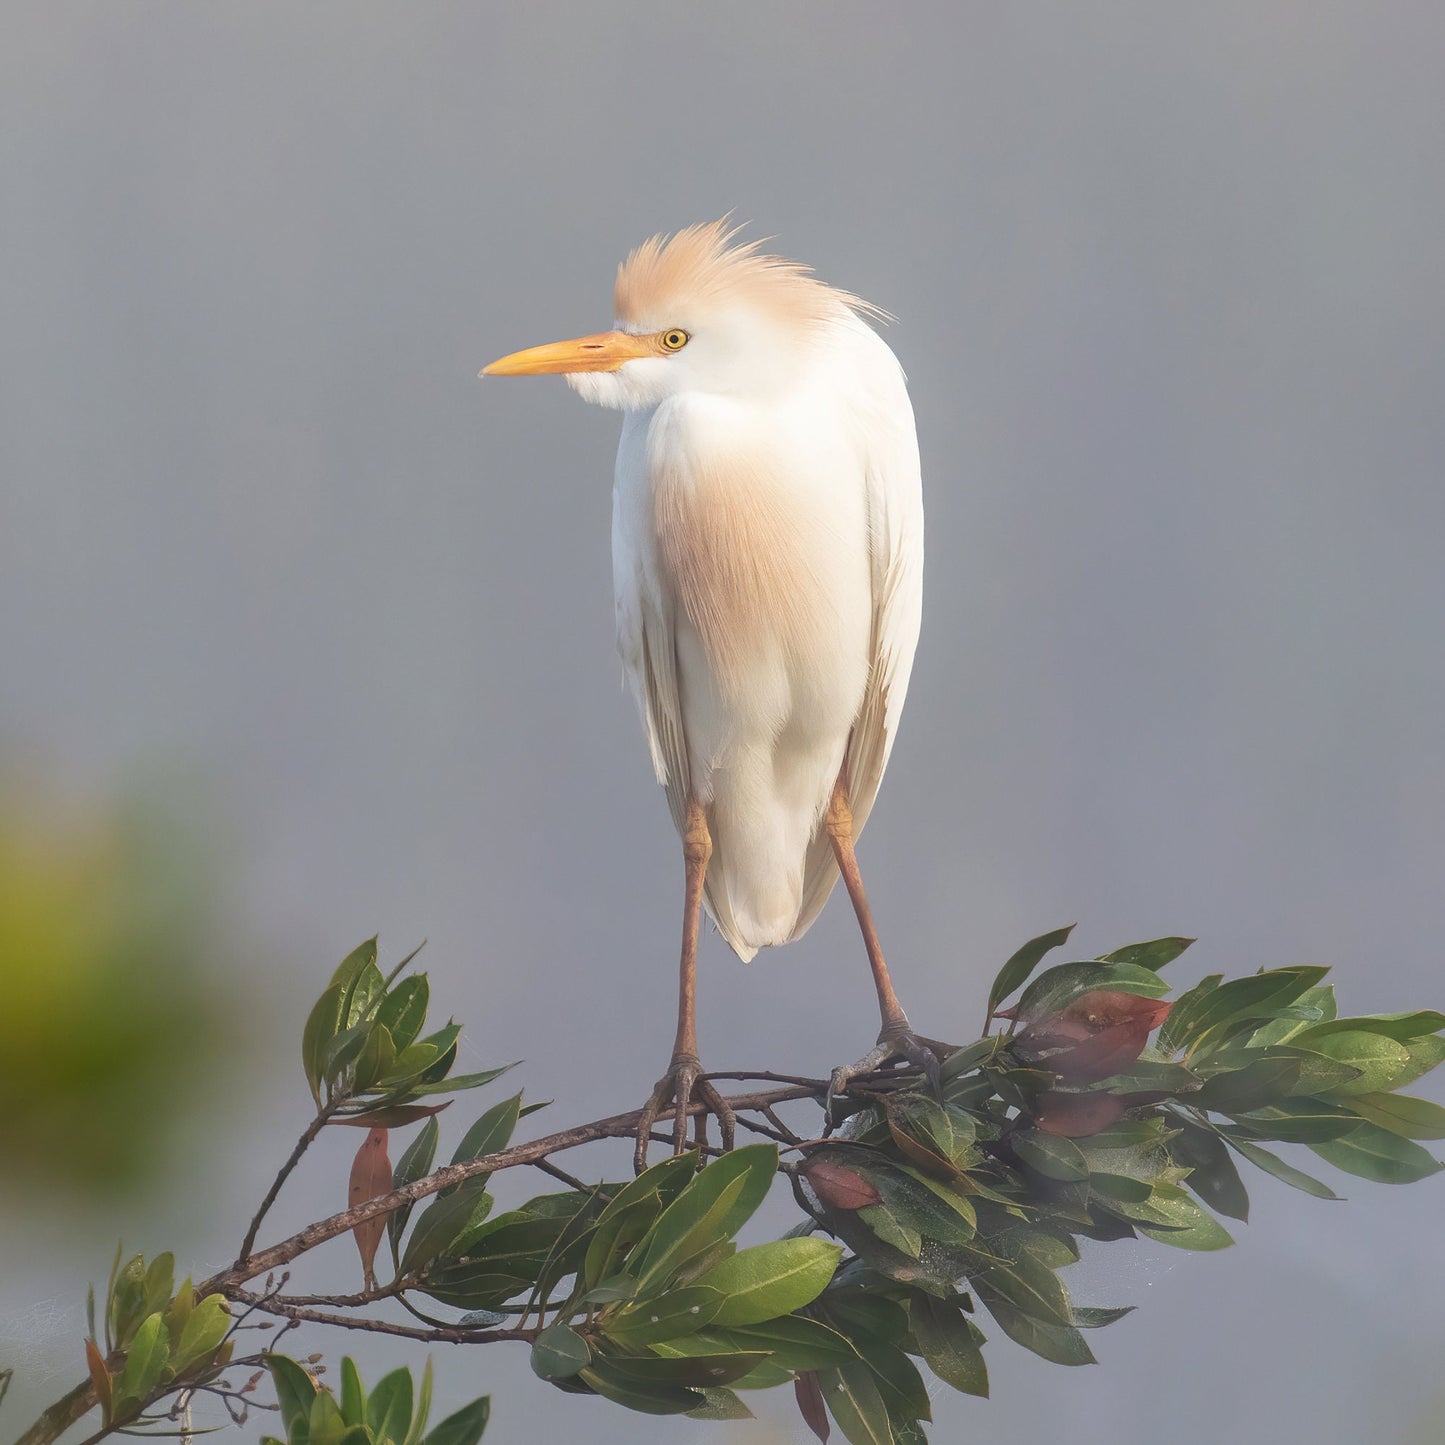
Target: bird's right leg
(684,1078)
(896,1040)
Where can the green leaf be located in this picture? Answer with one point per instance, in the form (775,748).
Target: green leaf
(671,1315)
(1057,987)
(159,1283)
(693,1371)
(559,1352)
(1273,1164)
(950,1342)
(1404,1027)
(360,981)
(295,1389)
(615,1287)
(1213,1176)
(1062,1344)
(353,1393)
(973,1056)
(1186,1225)
(863,1316)
(888,1227)
(631,1212)
(1027,1284)
(712,1208)
(322,1024)
(1260,996)
(1017,970)
(146,1359)
(794,1341)
(491,1133)
(1050,1155)
(1240,1090)
(415,1164)
(1311,1007)
(1094,1319)
(650,1399)
(388,1410)
(403,1011)
(720,1405)
(376,1058)
(853,1399)
(201,1336)
(774,1279)
(1375,1153)
(423,1407)
(457,1082)
(451,1212)
(465,1427)
(1410,1118)
(1379,1059)
(904,1393)
(1302,1121)
(324,1426)
(342,1052)
(1154,954)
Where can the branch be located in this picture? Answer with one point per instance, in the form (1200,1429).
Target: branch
(617,1126)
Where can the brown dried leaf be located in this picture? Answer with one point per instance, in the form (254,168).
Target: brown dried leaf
(370,1177)
(838,1186)
(1075,1116)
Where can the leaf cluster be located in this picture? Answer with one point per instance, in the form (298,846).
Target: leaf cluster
(366,1059)
(165,1339)
(394,1413)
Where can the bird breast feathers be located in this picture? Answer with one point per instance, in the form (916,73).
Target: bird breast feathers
(759,532)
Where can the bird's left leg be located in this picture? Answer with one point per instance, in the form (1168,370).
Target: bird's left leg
(684,1078)
(896,1040)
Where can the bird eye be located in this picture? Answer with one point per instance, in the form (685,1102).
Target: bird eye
(674,340)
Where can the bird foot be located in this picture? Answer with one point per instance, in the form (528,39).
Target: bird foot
(896,1044)
(677,1088)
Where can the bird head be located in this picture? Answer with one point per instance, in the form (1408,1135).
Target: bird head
(695,312)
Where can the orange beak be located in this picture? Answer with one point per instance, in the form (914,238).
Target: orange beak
(606,351)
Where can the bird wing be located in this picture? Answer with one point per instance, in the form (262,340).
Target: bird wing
(893,488)
(646,608)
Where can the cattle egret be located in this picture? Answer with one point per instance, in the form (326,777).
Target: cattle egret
(767,554)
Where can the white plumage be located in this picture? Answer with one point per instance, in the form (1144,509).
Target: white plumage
(767,550)
(767,568)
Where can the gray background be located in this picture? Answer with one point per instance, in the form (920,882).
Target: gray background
(1169,282)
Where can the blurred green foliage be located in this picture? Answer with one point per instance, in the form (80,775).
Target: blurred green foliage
(107,1001)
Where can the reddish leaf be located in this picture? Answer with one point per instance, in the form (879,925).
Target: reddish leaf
(1075,1116)
(810,1403)
(1100,1033)
(370,1176)
(839,1187)
(99,1376)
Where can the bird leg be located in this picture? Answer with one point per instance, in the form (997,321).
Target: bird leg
(684,1078)
(896,1040)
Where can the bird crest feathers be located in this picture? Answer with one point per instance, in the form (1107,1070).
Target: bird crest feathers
(668,277)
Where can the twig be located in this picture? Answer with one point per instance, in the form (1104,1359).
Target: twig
(569,1179)
(381,1327)
(323,1117)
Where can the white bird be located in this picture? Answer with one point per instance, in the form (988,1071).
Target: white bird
(767,553)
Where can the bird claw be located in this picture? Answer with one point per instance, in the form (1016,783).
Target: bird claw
(678,1086)
(897,1045)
